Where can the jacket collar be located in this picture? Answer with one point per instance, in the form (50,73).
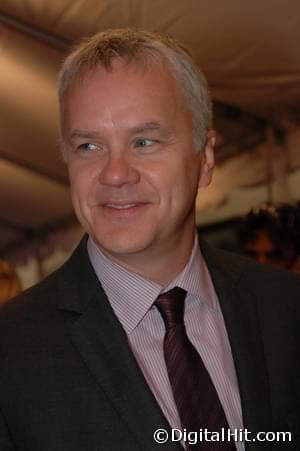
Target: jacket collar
(99,337)
(103,346)
(239,308)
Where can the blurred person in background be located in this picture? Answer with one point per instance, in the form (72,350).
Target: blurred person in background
(10,284)
(270,232)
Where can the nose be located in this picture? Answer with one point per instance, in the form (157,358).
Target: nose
(118,170)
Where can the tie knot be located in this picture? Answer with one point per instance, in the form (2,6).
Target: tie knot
(171,306)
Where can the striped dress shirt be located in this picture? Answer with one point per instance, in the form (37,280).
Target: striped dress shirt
(132,296)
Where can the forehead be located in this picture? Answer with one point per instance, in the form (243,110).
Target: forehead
(126,89)
(134,74)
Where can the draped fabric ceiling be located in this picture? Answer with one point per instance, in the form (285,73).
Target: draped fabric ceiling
(249,52)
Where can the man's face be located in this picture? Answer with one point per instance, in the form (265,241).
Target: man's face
(133,166)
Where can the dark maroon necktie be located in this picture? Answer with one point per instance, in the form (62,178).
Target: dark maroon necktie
(194,393)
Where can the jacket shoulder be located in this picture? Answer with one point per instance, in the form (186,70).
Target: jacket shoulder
(268,285)
(29,316)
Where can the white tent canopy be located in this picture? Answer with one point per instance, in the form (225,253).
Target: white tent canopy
(248,51)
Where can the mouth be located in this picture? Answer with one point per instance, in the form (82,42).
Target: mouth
(121,206)
(122,210)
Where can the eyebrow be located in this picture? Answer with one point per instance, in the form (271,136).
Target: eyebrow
(83,134)
(147,126)
(140,128)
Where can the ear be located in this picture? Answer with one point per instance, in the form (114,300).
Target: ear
(208,160)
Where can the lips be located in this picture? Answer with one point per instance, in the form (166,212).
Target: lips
(121,206)
(122,209)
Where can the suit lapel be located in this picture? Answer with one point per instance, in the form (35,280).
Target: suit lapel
(242,324)
(103,345)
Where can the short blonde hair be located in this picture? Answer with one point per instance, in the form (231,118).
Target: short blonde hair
(132,45)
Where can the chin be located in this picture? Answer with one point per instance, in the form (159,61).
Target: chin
(121,243)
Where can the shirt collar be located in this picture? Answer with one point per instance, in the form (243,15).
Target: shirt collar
(131,295)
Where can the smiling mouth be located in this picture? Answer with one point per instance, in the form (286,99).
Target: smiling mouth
(121,206)
(118,212)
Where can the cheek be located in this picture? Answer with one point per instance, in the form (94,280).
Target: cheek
(80,184)
(186,179)
(81,181)
(163,183)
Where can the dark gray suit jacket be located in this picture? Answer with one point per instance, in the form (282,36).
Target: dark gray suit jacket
(69,382)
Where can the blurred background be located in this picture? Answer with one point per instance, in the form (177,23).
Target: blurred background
(249,52)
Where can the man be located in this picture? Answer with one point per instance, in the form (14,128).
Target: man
(87,356)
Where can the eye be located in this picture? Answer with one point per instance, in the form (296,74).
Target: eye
(144,142)
(85,147)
